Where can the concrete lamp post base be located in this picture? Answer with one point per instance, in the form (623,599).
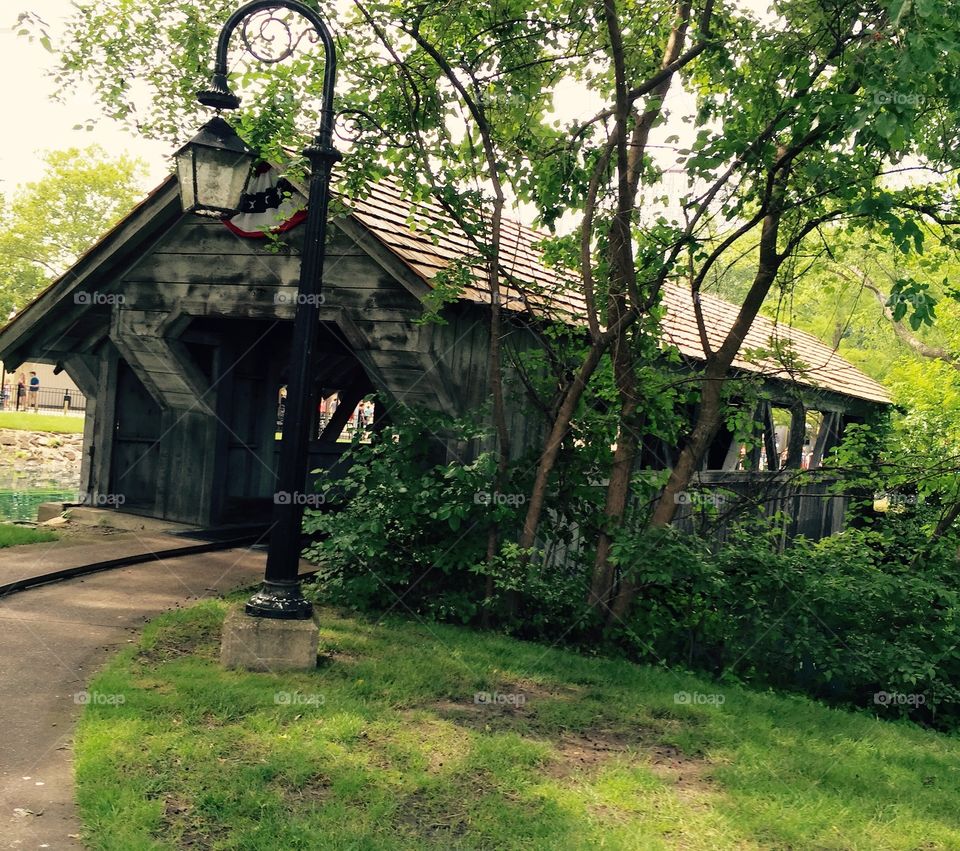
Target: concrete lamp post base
(268,644)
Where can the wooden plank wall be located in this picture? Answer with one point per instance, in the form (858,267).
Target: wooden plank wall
(812,507)
(199,269)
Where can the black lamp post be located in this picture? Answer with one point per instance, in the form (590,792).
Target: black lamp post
(215,166)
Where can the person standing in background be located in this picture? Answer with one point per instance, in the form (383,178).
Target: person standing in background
(34,391)
(21,392)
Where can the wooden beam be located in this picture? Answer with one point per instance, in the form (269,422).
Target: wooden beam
(84,371)
(827,437)
(754,454)
(770,438)
(732,458)
(798,436)
(357,385)
(104,425)
(224,367)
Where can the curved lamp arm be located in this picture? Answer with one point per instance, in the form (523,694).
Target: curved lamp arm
(220,96)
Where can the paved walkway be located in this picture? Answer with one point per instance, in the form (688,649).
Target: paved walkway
(74,550)
(52,640)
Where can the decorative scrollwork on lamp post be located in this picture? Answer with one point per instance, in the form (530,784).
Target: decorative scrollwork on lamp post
(265,27)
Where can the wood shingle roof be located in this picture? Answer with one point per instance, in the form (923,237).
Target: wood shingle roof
(427,241)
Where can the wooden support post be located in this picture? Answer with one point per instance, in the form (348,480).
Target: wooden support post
(103,427)
(224,364)
(769,437)
(798,436)
(84,369)
(732,459)
(827,437)
(754,454)
(357,386)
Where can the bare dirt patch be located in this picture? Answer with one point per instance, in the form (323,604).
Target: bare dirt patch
(578,752)
(587,751)
(314,792)
(201,641)
(510,706)
(427,818)
(177,819)
(81,533)
(345,657)
(687,774)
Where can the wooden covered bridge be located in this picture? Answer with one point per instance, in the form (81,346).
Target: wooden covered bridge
(178,331)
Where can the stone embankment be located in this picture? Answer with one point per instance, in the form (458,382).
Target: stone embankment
(36,458)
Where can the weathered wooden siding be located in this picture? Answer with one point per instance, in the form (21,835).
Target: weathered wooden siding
(809,503)
(216,444)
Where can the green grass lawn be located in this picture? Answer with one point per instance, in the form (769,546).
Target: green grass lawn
(56,423)
(12,536)
(392,744)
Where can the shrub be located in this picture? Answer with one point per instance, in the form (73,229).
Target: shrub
(857,619)
(400,531)
(867,618)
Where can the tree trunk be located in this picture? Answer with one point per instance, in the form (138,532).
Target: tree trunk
(656,86)
(551,447)
(623,287)
(710,413)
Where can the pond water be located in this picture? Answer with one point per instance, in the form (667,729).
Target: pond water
(21,494)
(36,467)
(23,504)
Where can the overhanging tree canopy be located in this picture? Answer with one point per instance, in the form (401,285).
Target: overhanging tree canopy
(786,122)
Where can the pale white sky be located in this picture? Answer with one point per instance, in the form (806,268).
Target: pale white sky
(35,122)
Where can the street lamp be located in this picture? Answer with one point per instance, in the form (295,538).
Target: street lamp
(202,165)
(213,169)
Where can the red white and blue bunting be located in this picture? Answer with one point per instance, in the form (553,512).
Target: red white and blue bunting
(270,205)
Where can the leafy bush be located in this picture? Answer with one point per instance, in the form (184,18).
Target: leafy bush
(858,619)
(867,618)
(401,531)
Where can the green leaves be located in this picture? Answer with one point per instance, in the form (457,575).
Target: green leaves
(51,222)
(909,295)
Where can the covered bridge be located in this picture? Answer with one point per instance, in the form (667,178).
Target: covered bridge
(178,330)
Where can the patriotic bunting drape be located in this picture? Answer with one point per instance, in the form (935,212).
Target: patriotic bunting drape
(270,205)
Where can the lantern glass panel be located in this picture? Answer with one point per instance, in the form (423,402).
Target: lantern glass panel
(188,192)
(213,169)
(219,179)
